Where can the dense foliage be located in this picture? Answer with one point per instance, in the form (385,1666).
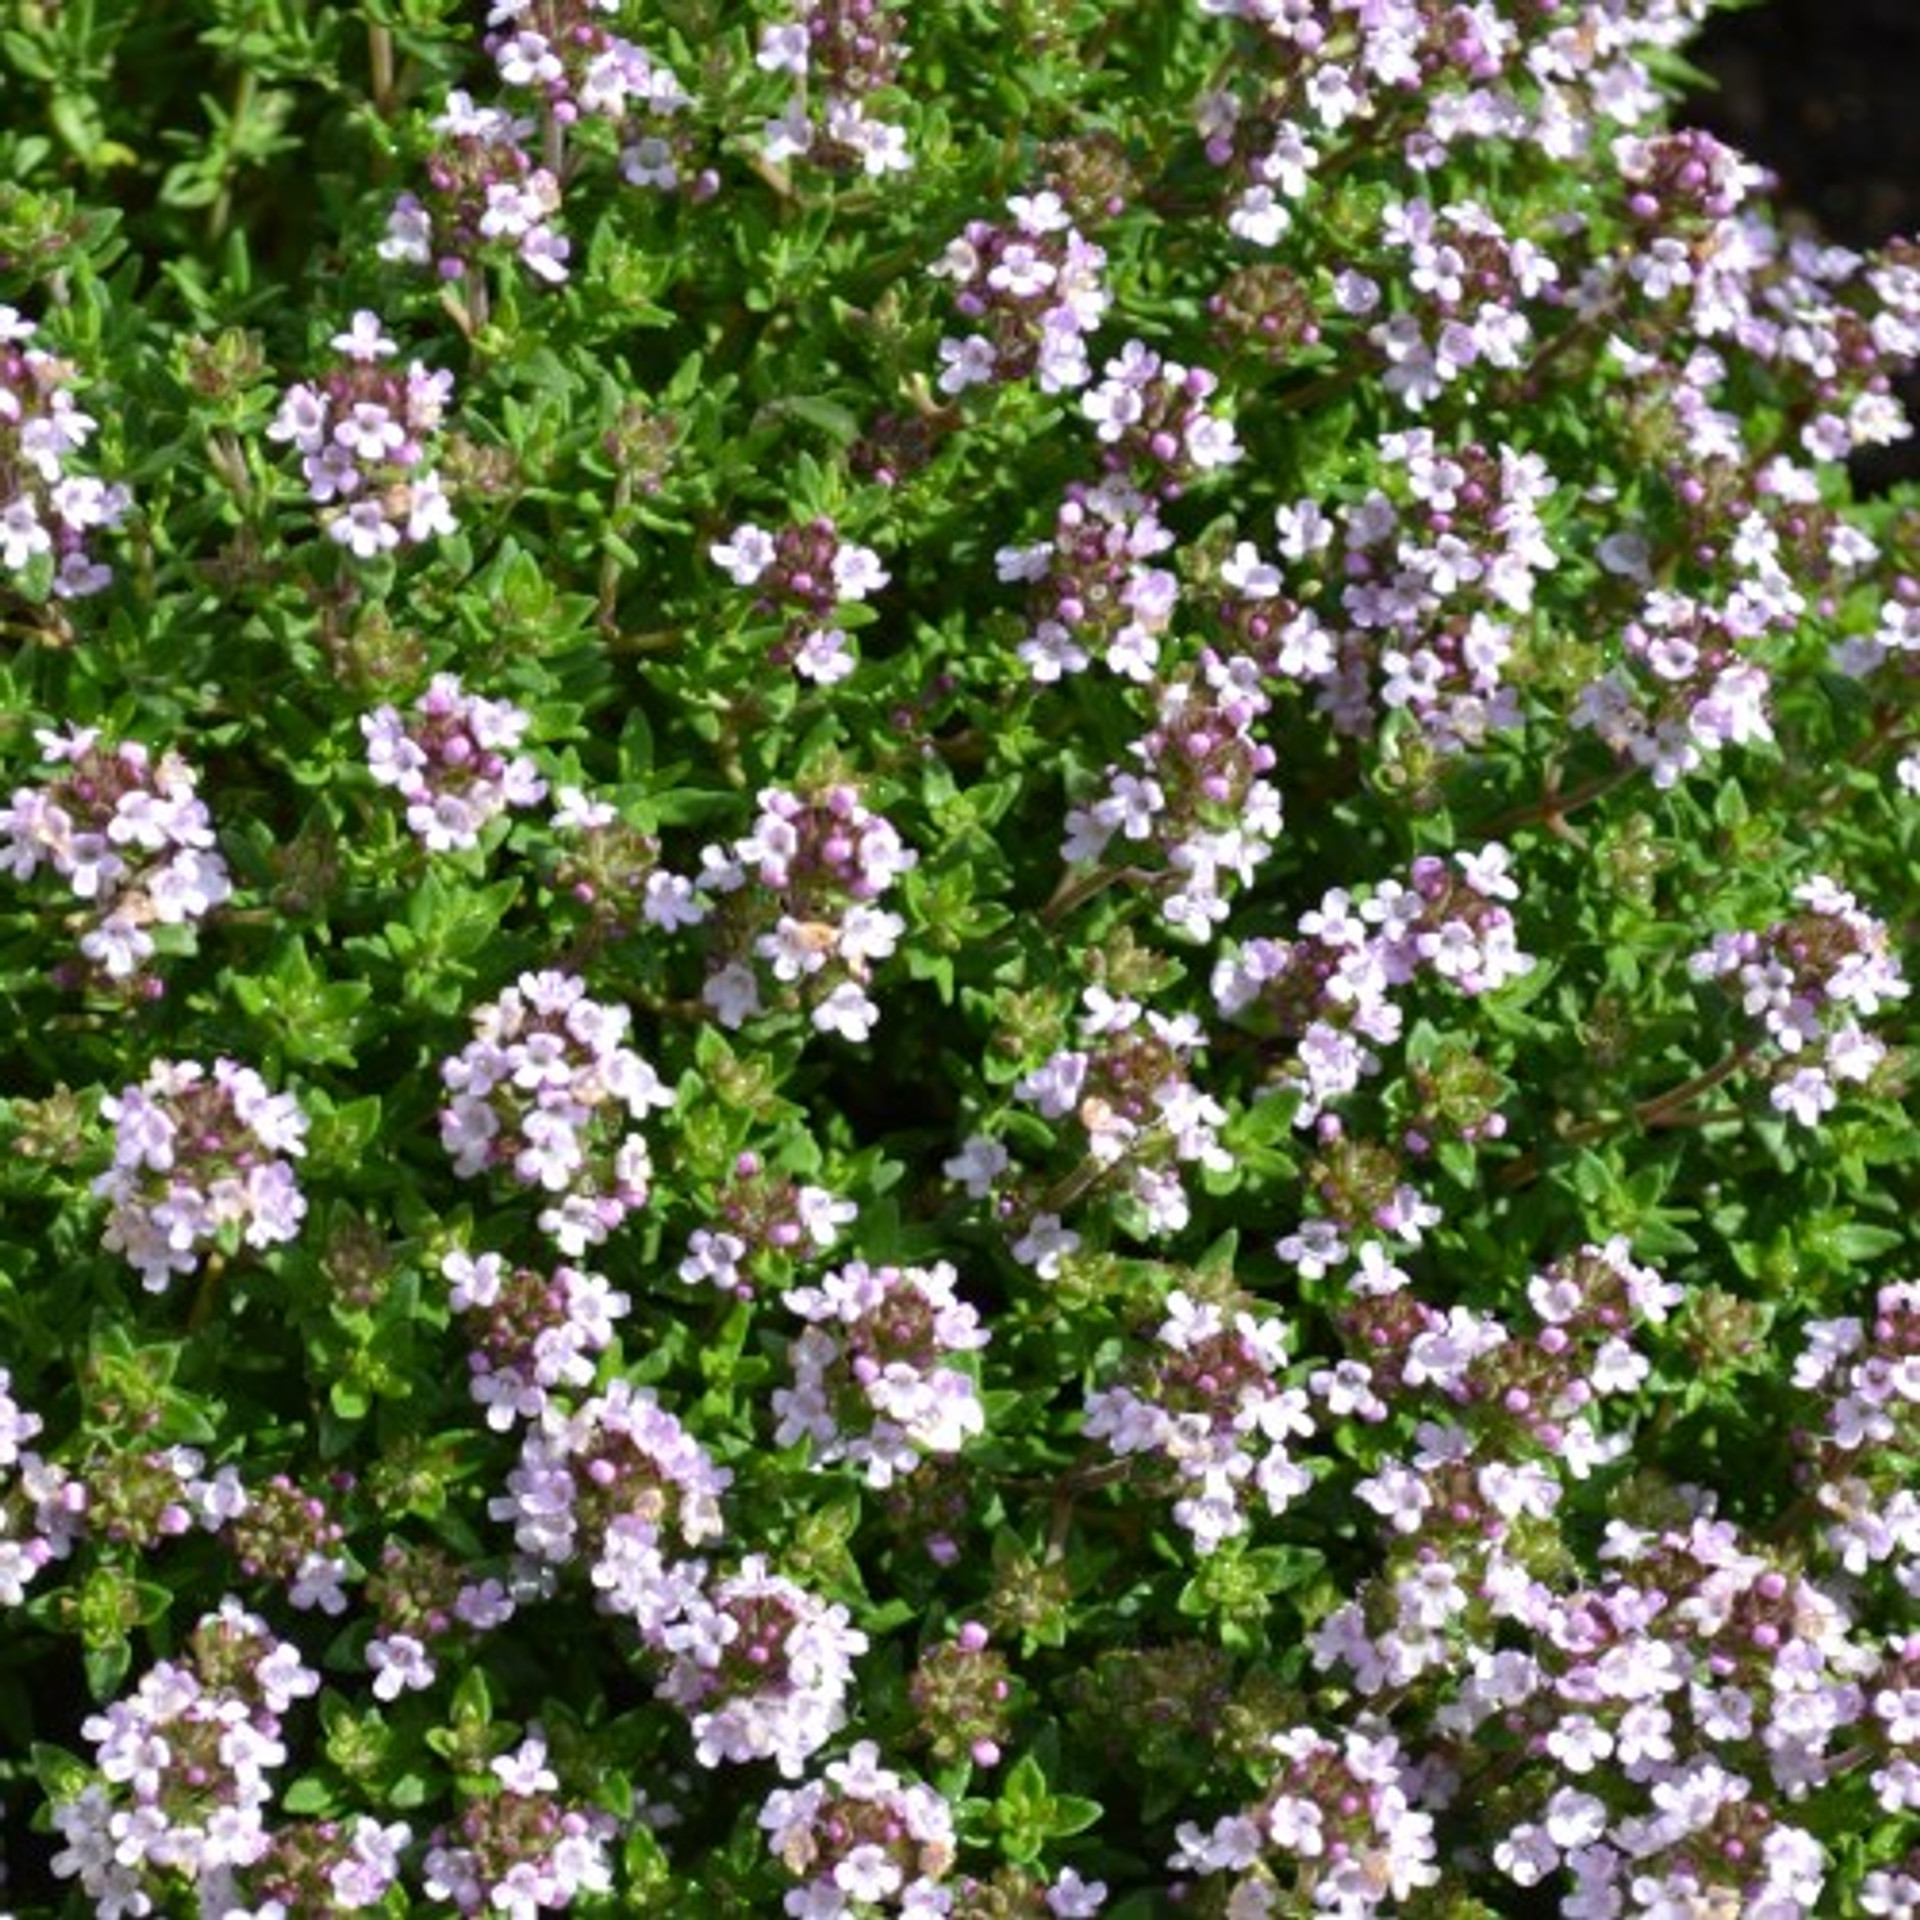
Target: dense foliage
(954,964)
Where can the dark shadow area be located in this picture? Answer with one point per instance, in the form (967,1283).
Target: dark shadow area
(1826,93)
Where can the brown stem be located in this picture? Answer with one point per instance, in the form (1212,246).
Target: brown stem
(1662,1110)
(1553,806)
(1071,892)
(380,67)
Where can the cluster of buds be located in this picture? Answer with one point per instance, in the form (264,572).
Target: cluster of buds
(842,51)
(485,197)
(1092,587)
(1810,981)
(1337,1831)
(1034,294)
(1129,1090)
(613,869)
(1265,310)
(962,1691)
(532,1333)
(139,1497)
(1208,1402)
(41,1509)
(199,1157)
(760,1667)
(280,1532)
(362,432)
(521,1848)
(544,1092)
(764,1221)
(422,1598)
(871,1383)
(577,67)
(1152,420)
(1683,180)
(181,1791)
(802,576)
(50,511)
(128,833)
(454,762)
(1200,800)
(1334,987)
(861,1840)
(798,895)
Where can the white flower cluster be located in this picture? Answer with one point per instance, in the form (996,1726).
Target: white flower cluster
(198,1155)
(861,1840)
(618,1486)
(540,1092)
(1344,1810)
(531,1334)
(41,1509)
(181,1767)
(485,194)
(804,573)
(128,833)
(1810,981)
(761,1668)
(1210,1403)
(362,433)
(51,511)
(799,894)
(1034,292)
(521,1850)
(1199,800)
(1338,985)
(840,51)
(455,764)
(1128,1087)
(869,1383)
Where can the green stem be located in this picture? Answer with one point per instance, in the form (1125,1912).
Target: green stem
(221,212)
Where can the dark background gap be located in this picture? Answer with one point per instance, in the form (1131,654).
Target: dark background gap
(1826,93)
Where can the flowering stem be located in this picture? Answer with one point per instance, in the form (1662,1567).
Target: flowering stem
(221,211)
(1081,1181)
(1553,806)
(206,1293)
(380,67)
(655,640)
(776,177)
(1071,892)
(609,585)
(1664,1110)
